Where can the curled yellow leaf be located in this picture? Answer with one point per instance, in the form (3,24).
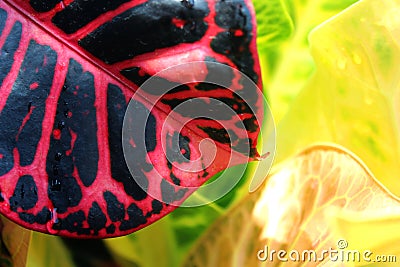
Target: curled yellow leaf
(297,214)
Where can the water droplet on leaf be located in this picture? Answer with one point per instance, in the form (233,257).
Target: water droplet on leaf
(53,226)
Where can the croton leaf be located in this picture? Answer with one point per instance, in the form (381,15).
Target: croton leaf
(71,70)
(294,211)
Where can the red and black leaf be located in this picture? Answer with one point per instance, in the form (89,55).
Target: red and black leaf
(69,69)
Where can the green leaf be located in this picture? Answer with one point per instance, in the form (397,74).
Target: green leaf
(151,246)
(274,22)
(353,97)
(47,250)
(287,66)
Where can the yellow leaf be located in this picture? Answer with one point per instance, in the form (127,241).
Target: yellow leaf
(14,243)
(378,234)
(353,98)
(294,211)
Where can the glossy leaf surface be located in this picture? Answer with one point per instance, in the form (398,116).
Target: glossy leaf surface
(68,73)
